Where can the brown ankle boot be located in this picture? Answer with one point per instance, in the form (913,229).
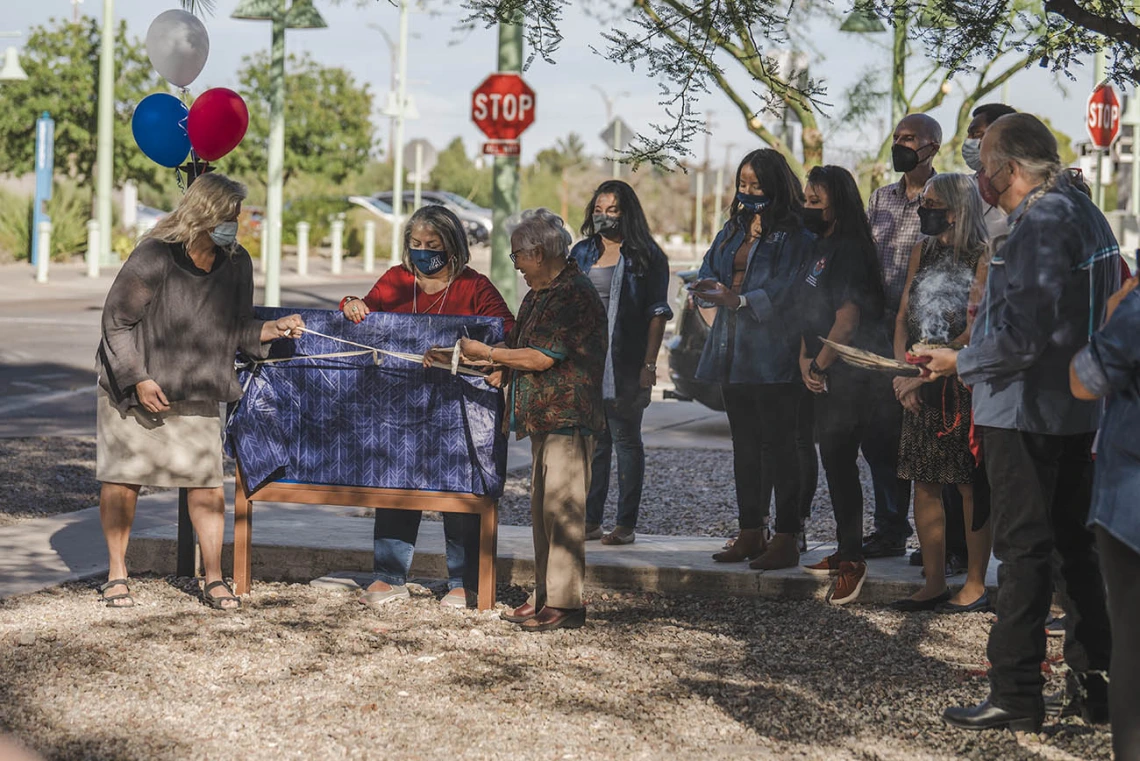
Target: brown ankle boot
(782,553)
(751,543)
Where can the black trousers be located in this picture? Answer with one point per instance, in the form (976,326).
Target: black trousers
(858,411)
(1042,486)
(806,456)
(1121,565)
(762,419)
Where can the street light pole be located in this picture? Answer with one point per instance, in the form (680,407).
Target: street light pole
(398,153)
(104,155)
(393,84)
(274,191)
(617,142)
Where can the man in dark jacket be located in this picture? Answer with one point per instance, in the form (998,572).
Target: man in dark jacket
(1046,293)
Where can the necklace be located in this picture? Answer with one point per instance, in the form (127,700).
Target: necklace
(438,304)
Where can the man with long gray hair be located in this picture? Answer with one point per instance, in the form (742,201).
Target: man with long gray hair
(1046,294)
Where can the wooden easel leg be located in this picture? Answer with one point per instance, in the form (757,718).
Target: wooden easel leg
(488,539)
(243,540)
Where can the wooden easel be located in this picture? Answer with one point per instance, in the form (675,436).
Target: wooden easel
(354,496)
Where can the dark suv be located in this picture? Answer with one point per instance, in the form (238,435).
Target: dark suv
(685,347)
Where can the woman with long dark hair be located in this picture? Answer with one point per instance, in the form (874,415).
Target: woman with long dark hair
(749,274)
(631,275)
(840,296)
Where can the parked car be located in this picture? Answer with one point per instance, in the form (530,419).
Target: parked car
(685,347)
(146,217)
(374,206)
(475,218)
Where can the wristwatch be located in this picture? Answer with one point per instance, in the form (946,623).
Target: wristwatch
(346,299)
(741,304)
(817,370)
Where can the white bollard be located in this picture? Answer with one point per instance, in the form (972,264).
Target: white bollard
(264,247)
(43,251)
(337,230)
(303,249)
(92,248)
(369,245)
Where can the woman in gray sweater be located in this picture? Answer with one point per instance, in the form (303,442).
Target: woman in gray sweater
(179,310)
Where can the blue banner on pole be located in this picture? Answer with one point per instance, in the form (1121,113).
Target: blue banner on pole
(45,170)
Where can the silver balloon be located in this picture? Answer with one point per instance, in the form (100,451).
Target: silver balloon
(178,46)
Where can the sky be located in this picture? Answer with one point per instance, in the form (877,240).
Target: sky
(444,66)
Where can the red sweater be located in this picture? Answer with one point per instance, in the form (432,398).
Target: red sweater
(470,294)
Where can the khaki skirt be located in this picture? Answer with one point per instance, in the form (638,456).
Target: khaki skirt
(178,448)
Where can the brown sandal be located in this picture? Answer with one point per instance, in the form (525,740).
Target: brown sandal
(620,535)
(216,602)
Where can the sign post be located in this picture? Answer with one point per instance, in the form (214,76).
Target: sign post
(503,107)
(617,136)
(1102,121)
(45,168)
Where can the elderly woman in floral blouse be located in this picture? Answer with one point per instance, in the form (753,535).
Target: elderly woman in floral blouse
(553,362)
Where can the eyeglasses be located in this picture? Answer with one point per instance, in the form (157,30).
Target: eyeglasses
(515,255)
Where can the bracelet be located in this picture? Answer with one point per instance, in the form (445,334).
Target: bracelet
(650,365)
(816,369)
(490,353)
(346,299)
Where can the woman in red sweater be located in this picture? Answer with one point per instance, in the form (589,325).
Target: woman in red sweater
(433,279)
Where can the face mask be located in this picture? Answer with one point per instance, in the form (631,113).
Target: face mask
(225,234)
(427,262)
(814,221)
(904,158)
(604,223)
(972,153)
(933,221)
(754,204)
(990,192)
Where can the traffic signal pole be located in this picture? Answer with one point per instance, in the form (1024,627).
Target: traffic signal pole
(506,179)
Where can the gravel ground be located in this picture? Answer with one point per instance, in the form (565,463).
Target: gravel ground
(45,476)
(51,475)
(302,673)
(688,492)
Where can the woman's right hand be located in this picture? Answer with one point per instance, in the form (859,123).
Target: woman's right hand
(813,384)
(151,396)
(356,310)
(906,391)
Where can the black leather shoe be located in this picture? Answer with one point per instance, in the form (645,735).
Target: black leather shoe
(879,546)
(986,715)
(980,605)
(907,605)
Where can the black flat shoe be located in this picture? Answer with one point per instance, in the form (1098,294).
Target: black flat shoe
(550,619)
(980,605)
(908,605)
(986,715)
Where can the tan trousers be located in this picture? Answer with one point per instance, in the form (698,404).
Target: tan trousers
(560,479)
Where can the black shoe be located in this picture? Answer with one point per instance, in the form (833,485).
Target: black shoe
(907,605)
(986,715)
(916,557)
(980,605)
(1062,705)
(955,564)
(879,546)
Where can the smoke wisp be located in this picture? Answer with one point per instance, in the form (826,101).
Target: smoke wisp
(940,300)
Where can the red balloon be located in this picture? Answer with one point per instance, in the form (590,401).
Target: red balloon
(217,123)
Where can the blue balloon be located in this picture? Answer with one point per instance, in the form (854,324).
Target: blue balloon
(159,127)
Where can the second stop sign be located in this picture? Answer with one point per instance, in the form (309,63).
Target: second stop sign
(503,106)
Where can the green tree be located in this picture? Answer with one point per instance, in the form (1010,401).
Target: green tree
(455,172)
(62,63)
(328,123)
(567,155)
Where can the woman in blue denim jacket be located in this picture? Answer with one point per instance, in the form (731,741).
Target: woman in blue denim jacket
(631,274)
(1110,366)
(752,350)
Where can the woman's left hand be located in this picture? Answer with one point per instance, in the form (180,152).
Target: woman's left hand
(283,327)
(716,293)
(943,363)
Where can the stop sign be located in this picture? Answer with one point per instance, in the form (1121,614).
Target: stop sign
(1102,119)
(503,106)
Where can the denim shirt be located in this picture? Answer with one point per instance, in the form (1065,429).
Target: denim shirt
(636,298)
(1110,366)
(1045,295)
(765,334)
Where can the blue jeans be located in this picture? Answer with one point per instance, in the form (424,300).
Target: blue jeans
(623,424)
(394,543)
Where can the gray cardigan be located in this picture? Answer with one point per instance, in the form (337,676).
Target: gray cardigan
(168,321)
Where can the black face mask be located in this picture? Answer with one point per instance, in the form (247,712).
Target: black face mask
(933,221)
(904,158)
(814,221)
(606,225)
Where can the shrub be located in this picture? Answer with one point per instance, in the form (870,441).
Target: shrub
(68,209)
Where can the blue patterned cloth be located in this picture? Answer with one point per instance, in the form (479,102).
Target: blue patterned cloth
(362,421)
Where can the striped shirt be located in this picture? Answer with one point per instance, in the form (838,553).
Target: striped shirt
(896,229)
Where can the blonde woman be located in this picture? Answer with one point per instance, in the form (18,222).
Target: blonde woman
(178,311)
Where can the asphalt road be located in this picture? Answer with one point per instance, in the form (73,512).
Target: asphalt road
(47,357)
